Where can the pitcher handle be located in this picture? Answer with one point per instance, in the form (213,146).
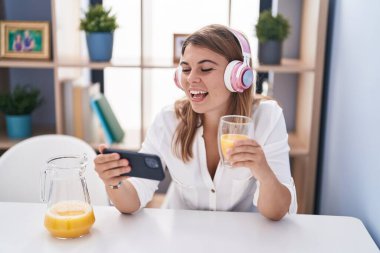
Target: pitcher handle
(43,185)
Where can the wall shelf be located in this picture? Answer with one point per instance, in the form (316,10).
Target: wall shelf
(287,66)
(26,64)
(111,64)
(6,142)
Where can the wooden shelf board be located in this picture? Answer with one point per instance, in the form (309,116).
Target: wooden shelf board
(159,66)
(95,65)
(113,64)
(26,64)
(286,66)
(6,142)
(297,147)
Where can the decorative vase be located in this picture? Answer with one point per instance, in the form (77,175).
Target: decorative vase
(19,126)
(99,46)
(270,52)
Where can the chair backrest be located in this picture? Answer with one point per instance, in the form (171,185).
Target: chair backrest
(21,165)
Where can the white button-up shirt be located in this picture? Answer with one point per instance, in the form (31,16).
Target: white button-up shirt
(232,189)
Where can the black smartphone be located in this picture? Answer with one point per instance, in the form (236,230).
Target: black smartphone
(143,165)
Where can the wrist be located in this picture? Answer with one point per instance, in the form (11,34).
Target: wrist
(267,177)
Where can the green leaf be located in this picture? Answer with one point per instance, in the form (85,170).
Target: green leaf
(22,100)
(272,28)
(98,19)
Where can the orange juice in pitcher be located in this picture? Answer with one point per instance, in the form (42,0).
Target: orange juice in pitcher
(69,219)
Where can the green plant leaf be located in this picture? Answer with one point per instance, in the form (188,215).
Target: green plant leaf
(98,19)
(22,100)
(272,28)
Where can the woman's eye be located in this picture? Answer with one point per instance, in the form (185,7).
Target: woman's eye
(207,70)
(186,70)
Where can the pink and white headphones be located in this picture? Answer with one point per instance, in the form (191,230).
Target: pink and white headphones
(238,75)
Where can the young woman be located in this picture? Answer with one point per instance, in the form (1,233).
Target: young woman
(215,75)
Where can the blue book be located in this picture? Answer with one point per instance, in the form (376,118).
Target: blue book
(103,123)
(117,132)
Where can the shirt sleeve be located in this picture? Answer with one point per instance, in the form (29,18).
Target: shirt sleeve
(145,188)
(274,141)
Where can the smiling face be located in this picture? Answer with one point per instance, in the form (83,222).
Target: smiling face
(203,80)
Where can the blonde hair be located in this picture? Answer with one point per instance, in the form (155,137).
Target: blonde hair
(220,40)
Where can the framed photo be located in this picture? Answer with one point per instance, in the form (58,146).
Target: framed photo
(178,40)
(24,40)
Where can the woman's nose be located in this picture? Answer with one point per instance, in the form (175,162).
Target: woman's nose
(193,78)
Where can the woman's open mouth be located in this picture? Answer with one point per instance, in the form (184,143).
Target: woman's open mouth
(198,95)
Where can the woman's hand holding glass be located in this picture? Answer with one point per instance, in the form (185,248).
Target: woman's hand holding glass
(109,167)
(237,149)
(231,129)
(248,153)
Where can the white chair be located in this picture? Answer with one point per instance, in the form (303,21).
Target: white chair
(21,165)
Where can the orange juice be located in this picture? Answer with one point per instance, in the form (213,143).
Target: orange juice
(69,219)
(227,141)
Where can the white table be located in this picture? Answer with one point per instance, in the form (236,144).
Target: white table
(158,230)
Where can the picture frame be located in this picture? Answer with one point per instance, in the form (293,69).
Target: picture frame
(178,40)
(25,40)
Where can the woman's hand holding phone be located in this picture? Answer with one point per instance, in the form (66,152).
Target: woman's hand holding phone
(110,167)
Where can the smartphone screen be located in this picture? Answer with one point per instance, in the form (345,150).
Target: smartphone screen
(143,165)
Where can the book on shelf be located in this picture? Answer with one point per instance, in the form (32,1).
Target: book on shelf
(85,124)
(67,105)
(112,129)
(79,120)
(102,121)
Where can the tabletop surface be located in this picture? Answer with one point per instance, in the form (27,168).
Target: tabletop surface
(160,230)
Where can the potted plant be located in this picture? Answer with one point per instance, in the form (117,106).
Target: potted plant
(271,32)
(17,107)
(99,26)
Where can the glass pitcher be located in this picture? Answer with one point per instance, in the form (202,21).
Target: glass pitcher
(63,187)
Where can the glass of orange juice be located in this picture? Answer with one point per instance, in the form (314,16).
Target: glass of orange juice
(232,128)
(63,186)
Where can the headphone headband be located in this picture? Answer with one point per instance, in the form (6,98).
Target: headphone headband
(246,49)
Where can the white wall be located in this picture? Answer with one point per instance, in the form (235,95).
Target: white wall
(351,158)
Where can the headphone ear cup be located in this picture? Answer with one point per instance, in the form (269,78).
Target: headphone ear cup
(238,76)
(246,77)
(177,77)
(230,79)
